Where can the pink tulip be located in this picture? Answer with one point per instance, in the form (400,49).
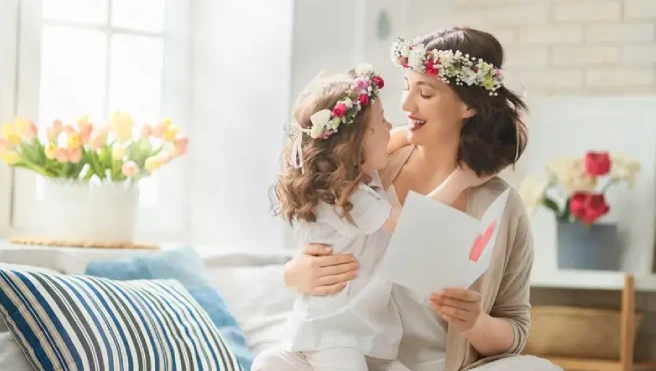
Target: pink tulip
(97,142)
(130,169)
(75,155)
(4,145)
(159,130)
(146,132)
(58,126)
(31,130)
(61,155)
(69,129)
(85,134)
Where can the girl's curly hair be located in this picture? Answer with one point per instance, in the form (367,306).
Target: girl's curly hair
(332,167)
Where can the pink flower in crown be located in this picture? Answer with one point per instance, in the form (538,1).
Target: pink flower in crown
(362,84)
(404,61)
(75,155)
(363,99)
(326,134)
(340,110)
(61,155)
(378,81)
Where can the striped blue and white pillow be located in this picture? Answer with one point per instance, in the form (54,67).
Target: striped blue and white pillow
(86,323)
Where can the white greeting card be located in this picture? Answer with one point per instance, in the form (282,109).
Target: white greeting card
(435,246)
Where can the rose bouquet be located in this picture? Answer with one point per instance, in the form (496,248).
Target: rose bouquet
(84,152)
(575,188)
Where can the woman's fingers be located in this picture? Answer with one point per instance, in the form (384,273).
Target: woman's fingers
(336,278)
(317,249)
(455,303)
(332,260)
(340,268)
(328,290)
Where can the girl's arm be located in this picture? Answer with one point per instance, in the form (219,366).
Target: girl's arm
(398,139)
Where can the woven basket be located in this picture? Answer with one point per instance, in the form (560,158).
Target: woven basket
(575,332)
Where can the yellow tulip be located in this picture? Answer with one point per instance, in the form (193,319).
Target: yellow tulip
(118,152)
(7,129)
(10,157)
(73,141)
(153,163)
(14,138)
(50,150)
(122,124)
(19,124)
(170,133)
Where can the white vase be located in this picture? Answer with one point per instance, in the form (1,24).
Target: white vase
(89,212)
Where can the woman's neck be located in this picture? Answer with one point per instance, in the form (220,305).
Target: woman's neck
(439,159)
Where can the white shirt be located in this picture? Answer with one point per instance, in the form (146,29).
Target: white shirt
(363,315)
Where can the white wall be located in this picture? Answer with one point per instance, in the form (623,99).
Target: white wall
(241,64)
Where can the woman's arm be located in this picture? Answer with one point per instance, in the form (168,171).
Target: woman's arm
(398,139)
(505,329)
(316,271)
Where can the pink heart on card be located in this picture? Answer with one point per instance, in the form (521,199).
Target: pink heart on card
(481,241)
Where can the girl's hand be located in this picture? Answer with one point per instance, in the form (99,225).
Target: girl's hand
(460,307)
(317,272)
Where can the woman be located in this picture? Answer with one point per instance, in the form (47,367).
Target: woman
(459,112)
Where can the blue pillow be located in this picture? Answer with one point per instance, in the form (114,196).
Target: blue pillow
(184,265)
(81,323)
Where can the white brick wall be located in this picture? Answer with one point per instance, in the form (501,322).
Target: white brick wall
(573,46)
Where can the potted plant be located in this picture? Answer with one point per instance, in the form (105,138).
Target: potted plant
(574,189)
(91,172)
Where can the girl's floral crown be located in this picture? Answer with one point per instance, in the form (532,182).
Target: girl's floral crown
(447,65)
(366,84)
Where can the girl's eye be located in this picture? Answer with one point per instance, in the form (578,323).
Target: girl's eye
(425,96)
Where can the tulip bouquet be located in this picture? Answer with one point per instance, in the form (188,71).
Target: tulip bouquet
(84,152)
(580,184)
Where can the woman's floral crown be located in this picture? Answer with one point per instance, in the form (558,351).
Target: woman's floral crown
(447,65)
(366,84)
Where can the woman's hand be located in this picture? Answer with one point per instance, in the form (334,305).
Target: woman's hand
(317,272)
(460,307)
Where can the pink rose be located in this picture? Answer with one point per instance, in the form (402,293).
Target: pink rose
(597,163)
(362,84)
(430,68)
(588,207)
(364,99)
(340,110)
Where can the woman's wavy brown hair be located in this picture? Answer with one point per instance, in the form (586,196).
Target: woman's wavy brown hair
(332,167)
(496,136)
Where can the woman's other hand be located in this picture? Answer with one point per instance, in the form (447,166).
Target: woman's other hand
(460,307)
(318,272)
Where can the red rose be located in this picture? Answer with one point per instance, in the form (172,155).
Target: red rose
(378,81)
(430,68)
(588,207)
(597,163)
(340,110)
(364,99)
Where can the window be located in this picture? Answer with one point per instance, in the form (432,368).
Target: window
(95,57)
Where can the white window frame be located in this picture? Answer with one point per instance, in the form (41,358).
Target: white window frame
(167,220)
(8,45)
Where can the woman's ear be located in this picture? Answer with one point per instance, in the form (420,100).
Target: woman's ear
(469,113)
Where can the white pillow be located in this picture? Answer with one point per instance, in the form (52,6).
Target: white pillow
(259,300)
(11,355)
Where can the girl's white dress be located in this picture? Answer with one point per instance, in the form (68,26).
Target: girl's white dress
(363,315)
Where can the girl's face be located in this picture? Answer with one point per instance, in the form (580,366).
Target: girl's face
(435,112)
(377,138)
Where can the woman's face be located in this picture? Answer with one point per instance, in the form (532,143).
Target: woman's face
(377,138)
(435,113)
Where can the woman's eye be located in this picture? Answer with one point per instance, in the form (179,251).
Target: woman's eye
(425,95)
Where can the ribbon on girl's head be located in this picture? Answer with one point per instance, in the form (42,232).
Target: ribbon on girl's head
(296,156)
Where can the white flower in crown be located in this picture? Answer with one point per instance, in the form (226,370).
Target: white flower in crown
(364,69)
(348,102)
(469,77)
(416,57)
(319,122)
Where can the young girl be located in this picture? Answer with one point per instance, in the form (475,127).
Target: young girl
(330,192)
